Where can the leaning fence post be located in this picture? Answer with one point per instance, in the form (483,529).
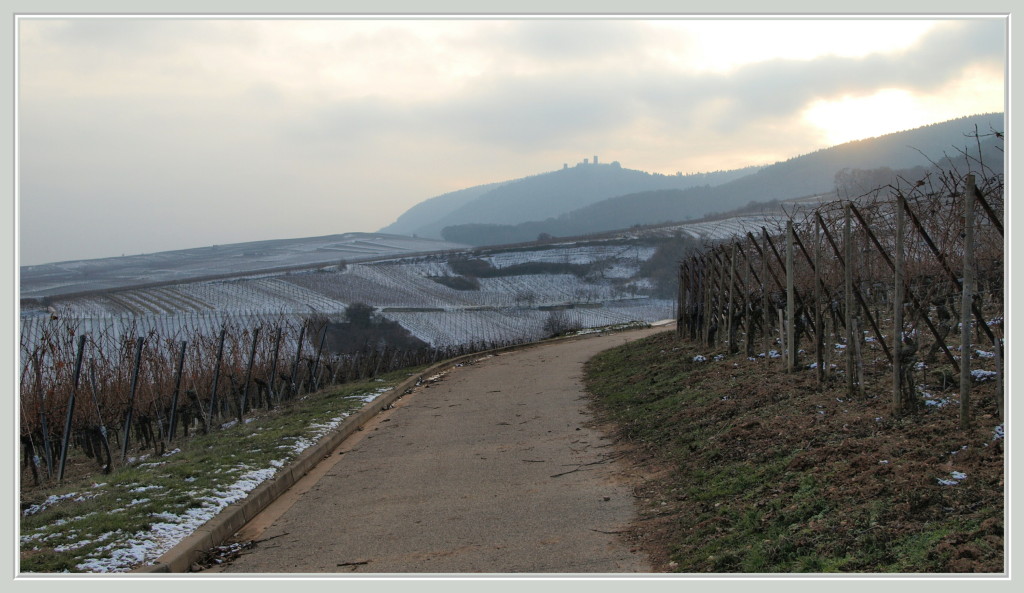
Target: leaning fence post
(37,360)
(748,313)
(314,380)
(272,377)
(216,378)
(295,384)
(790,301)
(131,396)
(70,408)
(782,339)
(965,309)
(173,423)
(819,326)
(732,301)
(248,374)
(999,377)
(768,321)
(99,414)
(707,299)
(848,282)
(898,405)
(858,345)
(681,290)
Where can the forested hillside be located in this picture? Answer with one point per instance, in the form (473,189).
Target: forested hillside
(847,170)
(544,195)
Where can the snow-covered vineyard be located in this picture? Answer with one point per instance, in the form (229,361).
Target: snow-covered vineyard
(411,291)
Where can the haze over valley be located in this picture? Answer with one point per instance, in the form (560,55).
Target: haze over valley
(142,135)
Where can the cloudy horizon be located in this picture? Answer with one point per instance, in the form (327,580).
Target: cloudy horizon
(138,135)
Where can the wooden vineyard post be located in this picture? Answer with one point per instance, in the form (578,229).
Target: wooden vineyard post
(37,362)
(94,391)
(131,396)
(691,300)
(216,378)
(732,301)
(953,276)
(898,405)
(707,300)
(766,316)
(248,374)
(858,354)
(819,327)
(294,388)
(691,284)
(314,379)
(848,283)
(782,339)
(680,296)
(70,412)
(1000,396)
(790,302)
(723,323)
(965,309)
(173,423)
(696,298)
(687,304)
(272,376)
(748,313)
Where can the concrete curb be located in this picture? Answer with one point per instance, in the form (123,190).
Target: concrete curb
(226,523)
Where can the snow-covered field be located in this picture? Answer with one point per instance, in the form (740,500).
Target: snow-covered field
(721,230)
(59,278)
(509,308)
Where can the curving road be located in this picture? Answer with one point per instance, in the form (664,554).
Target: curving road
(490,469)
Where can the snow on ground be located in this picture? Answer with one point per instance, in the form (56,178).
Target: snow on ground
(127,551)
(981,375)
(955,478)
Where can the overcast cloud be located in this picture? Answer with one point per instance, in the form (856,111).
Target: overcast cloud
(143,135)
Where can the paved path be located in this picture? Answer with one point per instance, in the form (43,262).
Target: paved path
(490,469)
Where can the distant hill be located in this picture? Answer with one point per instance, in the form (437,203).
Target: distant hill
(649,207)
(858,167)
(544,195)
(411,221)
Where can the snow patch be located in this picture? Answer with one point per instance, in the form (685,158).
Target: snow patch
(981,375)
(954,478)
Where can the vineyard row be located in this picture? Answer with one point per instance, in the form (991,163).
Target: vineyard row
(911,280)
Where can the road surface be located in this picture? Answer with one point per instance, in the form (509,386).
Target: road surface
(492,468)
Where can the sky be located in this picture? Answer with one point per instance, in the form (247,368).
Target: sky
(139,135)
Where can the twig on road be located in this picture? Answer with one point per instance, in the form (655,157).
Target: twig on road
(267,539)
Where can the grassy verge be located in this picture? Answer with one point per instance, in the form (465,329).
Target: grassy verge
(115,522)
(754,470)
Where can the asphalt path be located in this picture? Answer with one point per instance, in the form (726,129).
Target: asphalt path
(494,467)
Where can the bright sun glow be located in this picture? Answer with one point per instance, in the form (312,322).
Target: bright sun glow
(854,118)
(850,118)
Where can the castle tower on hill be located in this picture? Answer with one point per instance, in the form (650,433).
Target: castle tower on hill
(585,162)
